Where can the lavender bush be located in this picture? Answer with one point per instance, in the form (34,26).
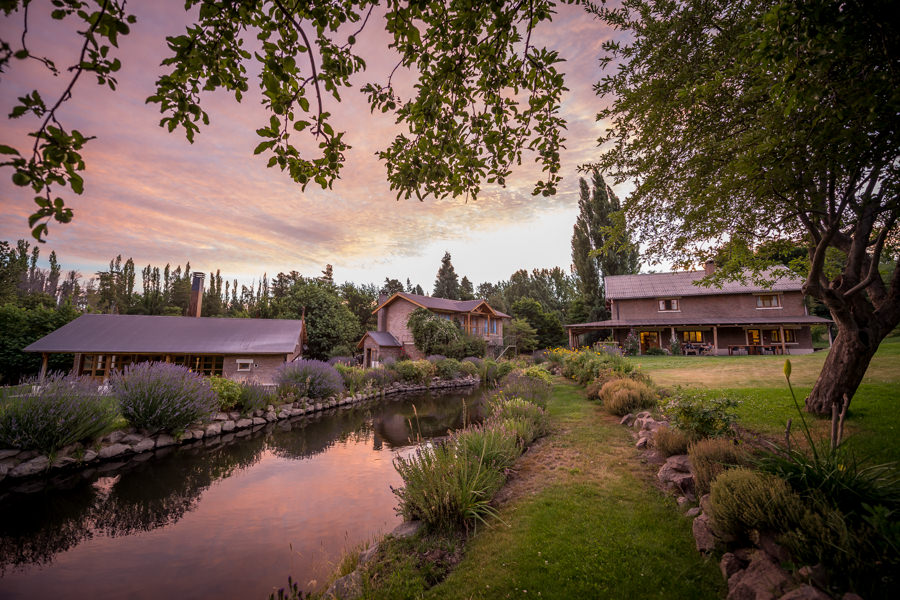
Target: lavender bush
(254,396)
(380,378)
(521,384)
(48,415)
(158,396)
(309,378)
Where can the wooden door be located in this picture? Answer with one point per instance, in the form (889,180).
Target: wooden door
(649,339)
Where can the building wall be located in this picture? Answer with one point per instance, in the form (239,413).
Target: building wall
(395,316)
(735,305)
(264,369)
(729,336)
(379,353)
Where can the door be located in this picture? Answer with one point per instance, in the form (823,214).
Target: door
(754,337)
(649,339)
(368,362)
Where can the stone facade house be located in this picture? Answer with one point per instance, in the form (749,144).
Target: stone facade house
(737,318)
(393,338)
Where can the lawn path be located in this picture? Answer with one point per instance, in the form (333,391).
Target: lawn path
(582,518)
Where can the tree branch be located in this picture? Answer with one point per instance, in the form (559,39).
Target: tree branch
(312,64)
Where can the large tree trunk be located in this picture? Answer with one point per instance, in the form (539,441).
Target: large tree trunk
(844,368)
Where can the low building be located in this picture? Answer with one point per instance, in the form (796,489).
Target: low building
(239,349)
(393,338)
(737,318)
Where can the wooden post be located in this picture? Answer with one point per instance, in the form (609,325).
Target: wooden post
(781,333)
(671,338)
(716,340)
(571,339)
(828,327)
(44,359)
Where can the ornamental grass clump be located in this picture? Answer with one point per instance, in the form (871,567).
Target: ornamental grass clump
(309,378)
(157,396)
(444,489)
(528,420)
(533,389)
(254,396)
(743,500)
(712,456)
(623,396)
(58,411)
(670,441)
(490,443)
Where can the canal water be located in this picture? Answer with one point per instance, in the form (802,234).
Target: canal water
(230,519)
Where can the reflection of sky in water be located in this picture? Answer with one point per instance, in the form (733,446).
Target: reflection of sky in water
(232,521)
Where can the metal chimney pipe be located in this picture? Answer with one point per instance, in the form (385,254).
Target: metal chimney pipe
(196,294)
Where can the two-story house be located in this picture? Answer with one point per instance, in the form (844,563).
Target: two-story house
(738,318)
(393,338)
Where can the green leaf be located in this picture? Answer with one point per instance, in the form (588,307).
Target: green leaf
(8,150)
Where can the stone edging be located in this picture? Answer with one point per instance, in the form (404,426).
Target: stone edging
(19,464)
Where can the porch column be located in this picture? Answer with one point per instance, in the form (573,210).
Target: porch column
(781,333)
(828,328)
(44,358)
(571,339)
(716,339)
(671,338)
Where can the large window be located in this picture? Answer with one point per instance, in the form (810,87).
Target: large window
(93,365)
(207,365)
(768,301)
(789,336)
(668,304)
(692,337)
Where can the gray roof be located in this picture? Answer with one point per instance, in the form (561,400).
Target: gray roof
(144,334)
(659,285)
(686,321)
(382,338)
(445,304)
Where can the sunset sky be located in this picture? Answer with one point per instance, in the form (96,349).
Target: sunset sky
(153,196)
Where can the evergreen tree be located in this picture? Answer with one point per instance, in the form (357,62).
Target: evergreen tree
(466,289)
(391,287)
(596,253)
(418,290)
(447,283)
(327,275)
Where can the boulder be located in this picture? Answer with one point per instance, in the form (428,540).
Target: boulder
(675,466)
(113,450)
(228,425)
(89,455)
(30,467)
(131,439)
(806,592)
(9,453)
(164,439)
(115,437)
(730,564)
(766,542)
(198,434)
(243,423)
(270,416)
(692,512)
(642,415)
(407,529)
(761,580)
(144,445)
(703,534)
(213,429)
(685,483)
(234,415)
(642,443)
(187,436)
(221,417)
(705,504)
(367,554)
(259,421)
(348,587)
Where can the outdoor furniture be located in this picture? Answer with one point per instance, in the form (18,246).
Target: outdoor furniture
(754,349)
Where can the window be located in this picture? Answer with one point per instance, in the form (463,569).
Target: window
(692,336)
(668,304)
(93,365)
(244,364)
(207,365)
(493,326)
(753,337)
(789,336)
(768,301)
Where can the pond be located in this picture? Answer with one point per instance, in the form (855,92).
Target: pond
(228,519)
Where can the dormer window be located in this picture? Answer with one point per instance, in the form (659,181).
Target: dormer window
(668,304)
(768,301)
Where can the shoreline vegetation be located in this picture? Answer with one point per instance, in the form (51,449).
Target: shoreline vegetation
(582,513)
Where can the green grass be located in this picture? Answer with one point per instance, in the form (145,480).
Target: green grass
(587,523)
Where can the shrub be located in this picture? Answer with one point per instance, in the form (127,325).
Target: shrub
(444,488)
(712,456)
(675,345)
(670,441)
(622,396)
(537,372)
(474,360)
(380,377)
(742,500)
(254,397)
(510,411)
(700,417)
(532,389)
(655,352)
(354,378)
(229,391)
(447,368)
(414,371)
(585,366)
(468,368)
(632,344)
(310,379)
(489,443)
(604,376)
(47,415)
(158,396)
(435,358)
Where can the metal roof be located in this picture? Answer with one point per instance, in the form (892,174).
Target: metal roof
(686,321)
(145,334)
(444,304)
(660,285)
(382,338)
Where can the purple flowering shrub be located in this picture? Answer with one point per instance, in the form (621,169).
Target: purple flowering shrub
(380,378)
(48,415)
(309,378)
(159,396)
(254,396)
(521,384)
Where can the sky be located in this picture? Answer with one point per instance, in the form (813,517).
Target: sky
(153,196)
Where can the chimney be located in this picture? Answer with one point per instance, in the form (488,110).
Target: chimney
(709,267)
(196,294)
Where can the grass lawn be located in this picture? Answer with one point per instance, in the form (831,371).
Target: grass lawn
(582,519)
(758,382)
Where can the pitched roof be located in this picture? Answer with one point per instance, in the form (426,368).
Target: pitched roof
(687,321)
(182,335)
(443,304)
(681,283)
(382,338)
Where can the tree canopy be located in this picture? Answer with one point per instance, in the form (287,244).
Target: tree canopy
(766,120)
(446,284)
(485,94)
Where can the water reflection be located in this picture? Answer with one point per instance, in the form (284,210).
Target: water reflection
(43,518)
